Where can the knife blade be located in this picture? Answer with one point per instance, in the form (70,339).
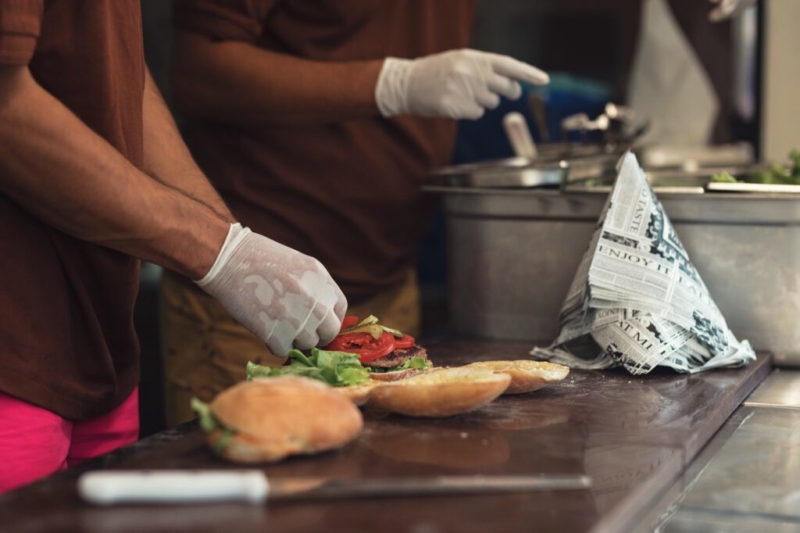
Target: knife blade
(182,486)
(288,489)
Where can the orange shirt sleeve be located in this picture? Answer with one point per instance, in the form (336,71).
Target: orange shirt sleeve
(20,22)
(225,20)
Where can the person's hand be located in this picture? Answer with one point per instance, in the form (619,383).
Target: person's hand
(456,84)
(282,296)
(726,9)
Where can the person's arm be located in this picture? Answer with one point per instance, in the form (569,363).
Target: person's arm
(166,157)
(236,82)
(55,167)
(58,169)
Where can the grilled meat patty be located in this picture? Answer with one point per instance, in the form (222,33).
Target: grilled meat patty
(398,357)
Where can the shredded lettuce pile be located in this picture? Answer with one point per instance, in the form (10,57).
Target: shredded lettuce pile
(338,369)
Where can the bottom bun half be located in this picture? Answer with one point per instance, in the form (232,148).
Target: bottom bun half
(358,394)
(396,375)
(442,392)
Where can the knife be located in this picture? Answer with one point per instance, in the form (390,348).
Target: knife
(185,486)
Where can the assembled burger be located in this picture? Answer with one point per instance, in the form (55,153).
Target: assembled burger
(364,354)
(265,420)
(386,353)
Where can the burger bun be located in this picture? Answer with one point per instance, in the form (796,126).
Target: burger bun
(358,394)
(396,375)
(441,392)
(526,375)
(275,417)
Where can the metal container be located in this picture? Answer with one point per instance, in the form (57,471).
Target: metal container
(512,254)
(513,172)
(520,172)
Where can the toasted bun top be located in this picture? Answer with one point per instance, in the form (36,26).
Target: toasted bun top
(288,414)
(526,375)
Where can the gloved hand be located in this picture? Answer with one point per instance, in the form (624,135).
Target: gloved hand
(279,294)
(455,84)
(726,9)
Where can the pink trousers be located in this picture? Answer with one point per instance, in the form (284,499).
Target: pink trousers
(35,442)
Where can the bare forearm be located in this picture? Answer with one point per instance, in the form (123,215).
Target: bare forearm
(167,158)
(59,170)
(238,83)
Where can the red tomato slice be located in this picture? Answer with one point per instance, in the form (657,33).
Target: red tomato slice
(377,348)
(407,341)
(364,345)
(349,321)
(349,342)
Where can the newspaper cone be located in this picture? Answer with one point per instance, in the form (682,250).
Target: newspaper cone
(636,299)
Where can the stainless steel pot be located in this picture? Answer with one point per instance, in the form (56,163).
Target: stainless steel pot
(512,254)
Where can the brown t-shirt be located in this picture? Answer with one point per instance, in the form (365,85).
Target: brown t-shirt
(347,192)
(67,341)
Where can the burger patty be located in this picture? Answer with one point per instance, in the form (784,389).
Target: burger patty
(398,357)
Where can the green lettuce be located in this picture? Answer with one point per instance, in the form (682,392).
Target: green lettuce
(723,177)
(774,175)
(338,369)
(420,363)
(209,422)
(206,418)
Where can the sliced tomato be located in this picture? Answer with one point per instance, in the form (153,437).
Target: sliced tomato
(349,321)
(407,341)
(349,342)
(364,345)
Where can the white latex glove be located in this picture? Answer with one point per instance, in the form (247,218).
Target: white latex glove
(726,9)
(282,296)
(456,84)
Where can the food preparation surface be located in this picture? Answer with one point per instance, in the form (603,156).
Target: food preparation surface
(632,435)
(748,476)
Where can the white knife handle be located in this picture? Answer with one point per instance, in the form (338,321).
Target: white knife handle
(519,135)
(172,486)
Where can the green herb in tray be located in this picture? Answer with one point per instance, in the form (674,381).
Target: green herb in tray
(723,177)
(775,175)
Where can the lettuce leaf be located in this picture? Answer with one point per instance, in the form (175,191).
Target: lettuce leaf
(420,363)
(209,423)
(207,420)
(723,177)
(338,369)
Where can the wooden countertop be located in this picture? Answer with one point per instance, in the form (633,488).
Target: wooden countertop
(632,435)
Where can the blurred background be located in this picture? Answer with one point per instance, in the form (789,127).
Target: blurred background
(689,84)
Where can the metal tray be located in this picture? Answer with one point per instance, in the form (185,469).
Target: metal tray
(501,173)
(521,172)
(689,182)
(753,187)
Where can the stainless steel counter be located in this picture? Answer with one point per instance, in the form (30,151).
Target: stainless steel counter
(748,477)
